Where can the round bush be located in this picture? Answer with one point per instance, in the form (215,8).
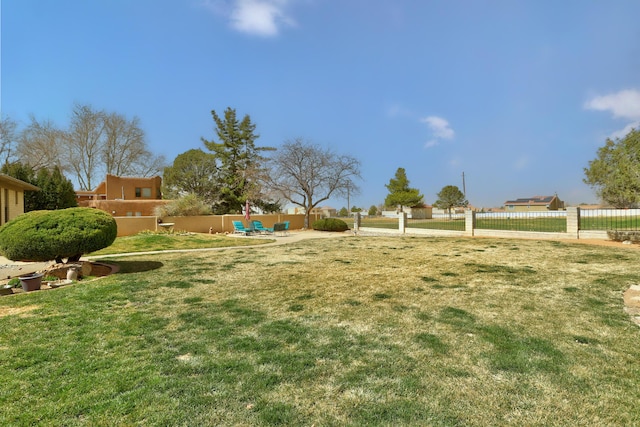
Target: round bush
(54,235)
(330,224)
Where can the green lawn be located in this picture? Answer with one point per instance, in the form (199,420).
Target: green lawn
(609,223)
(331,332)
(146,242)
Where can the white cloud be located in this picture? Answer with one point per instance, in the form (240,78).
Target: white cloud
(431,143)
(256,17)
(624,104)
(439,127)
(625,131)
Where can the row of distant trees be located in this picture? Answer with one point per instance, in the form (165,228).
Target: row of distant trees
(402,195)
(614,175)
(230,169)
(96,142)
(228,172)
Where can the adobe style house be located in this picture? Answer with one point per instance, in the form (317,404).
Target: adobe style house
(12,197)
(535,203)
(124,195)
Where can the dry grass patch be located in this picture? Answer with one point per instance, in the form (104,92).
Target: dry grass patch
(350,331)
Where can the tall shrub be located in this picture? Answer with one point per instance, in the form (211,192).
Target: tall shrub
(55,235)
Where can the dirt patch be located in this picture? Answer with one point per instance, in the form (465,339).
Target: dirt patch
(13,311)
(610,243)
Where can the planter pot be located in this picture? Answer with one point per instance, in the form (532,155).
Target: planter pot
(72,273)
(31,282)
(5,291)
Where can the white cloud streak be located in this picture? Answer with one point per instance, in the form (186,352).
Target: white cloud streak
(440,129)
(263,18)
(624,105)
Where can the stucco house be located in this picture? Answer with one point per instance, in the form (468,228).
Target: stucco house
(535,203)
(12,197)
(124,195)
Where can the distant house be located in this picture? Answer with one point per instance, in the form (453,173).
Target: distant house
(323,211)
(12,197)
(424,212)
(124,196)
(535,203)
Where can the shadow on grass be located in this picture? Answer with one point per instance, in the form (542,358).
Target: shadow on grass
(135,266)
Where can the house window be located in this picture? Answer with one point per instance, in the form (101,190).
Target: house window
(16,193)
(144,192)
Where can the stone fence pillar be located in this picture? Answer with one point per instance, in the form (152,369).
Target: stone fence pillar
(402,222)
(469,222)
(573,222)
(356,222)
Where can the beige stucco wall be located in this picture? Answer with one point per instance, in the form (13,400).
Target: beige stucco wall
(130,225)
(11,203)
(125,187)
(125,207)
(202,224)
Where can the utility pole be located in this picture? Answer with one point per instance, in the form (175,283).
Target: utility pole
(464,186)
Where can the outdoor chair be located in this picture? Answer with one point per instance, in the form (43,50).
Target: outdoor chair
(238,227)
(257,225)
(281,227)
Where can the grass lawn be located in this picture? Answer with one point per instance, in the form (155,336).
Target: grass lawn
(553,225)
(332,332)
(147,242)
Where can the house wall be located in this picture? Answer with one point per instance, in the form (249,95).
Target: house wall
(11,203)
(527,208)
(125,187)
(412,213)
(125,207)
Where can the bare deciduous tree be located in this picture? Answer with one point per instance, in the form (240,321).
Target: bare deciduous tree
(7,138)
(40,145)
(125,150)
(306,174)
(99,143)
(84,144)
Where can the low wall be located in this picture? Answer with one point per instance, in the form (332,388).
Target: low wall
(522,234)
(572,232)
(129,225)
(593,234)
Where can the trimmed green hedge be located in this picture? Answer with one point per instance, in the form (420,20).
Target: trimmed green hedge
(330,224)
(54,235)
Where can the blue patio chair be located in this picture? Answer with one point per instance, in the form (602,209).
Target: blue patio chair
(257,225)
(238,227)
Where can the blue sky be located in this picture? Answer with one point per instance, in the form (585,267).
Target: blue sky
(516,94)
